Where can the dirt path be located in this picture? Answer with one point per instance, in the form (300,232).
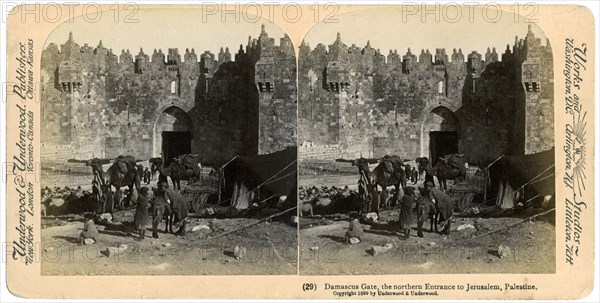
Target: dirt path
(270,249)
(532,245)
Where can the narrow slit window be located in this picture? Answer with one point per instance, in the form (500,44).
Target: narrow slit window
(173,87)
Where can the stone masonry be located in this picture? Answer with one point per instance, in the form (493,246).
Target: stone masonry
(99,104)
(372,105)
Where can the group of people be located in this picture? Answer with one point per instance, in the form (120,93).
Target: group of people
(439,202)
(144,202)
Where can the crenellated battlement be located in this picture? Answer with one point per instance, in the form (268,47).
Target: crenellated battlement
(339,51)
(263,46)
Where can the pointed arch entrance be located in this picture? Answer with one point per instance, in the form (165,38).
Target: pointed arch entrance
(440,133)
(173,133)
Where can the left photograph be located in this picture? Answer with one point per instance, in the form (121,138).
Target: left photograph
(168,147)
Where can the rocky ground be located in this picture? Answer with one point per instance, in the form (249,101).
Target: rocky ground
(270,248)
(480,240)
(531,246)
(208,248)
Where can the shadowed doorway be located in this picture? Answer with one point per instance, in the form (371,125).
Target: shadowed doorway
(175,144)
(439,134)
(442,143)
(172,134)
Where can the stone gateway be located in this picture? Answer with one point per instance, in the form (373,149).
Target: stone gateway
(99,104)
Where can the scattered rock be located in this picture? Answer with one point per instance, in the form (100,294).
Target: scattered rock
(314,248)
(123,247)
(376,249)
(161,266)
(110,251)
(432,244)
(353,240)
(239,252)
(464,226)
(426,265)
(370,217)
(503,251)
(88,241)
(167,245)
(105,218)
(200,227)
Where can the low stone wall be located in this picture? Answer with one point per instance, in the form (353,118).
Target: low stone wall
(56,153)
(320,152)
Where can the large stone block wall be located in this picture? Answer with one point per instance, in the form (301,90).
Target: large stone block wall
(370,104)
(104,105)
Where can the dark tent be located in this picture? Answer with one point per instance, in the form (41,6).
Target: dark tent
(523,178)
(254,178)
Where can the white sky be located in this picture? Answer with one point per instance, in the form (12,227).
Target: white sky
(167,28)
(386,30)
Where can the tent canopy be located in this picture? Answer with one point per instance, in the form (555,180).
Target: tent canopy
(534,172)
(275,172)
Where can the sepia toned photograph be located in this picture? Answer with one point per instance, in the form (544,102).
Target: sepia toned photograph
(322,151)
(168,147)
(426,147)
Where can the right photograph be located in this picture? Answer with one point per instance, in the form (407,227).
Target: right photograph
(426,146)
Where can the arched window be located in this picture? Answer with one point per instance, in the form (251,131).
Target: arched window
(440,87)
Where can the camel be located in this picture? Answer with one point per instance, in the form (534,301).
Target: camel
(115,176)
(184,167)
(449,167)
(157,164)
(390,171)
(365,187)
(189,168)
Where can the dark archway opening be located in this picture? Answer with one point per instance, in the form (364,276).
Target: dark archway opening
(175,144)
(173,134)
(440,134)
(442,143)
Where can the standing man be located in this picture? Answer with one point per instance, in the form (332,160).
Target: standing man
(415,175)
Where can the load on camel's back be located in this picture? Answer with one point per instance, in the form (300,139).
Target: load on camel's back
(391,171)
(191,165)
(184,167)
(127,163)
(123,172)
(448,167)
